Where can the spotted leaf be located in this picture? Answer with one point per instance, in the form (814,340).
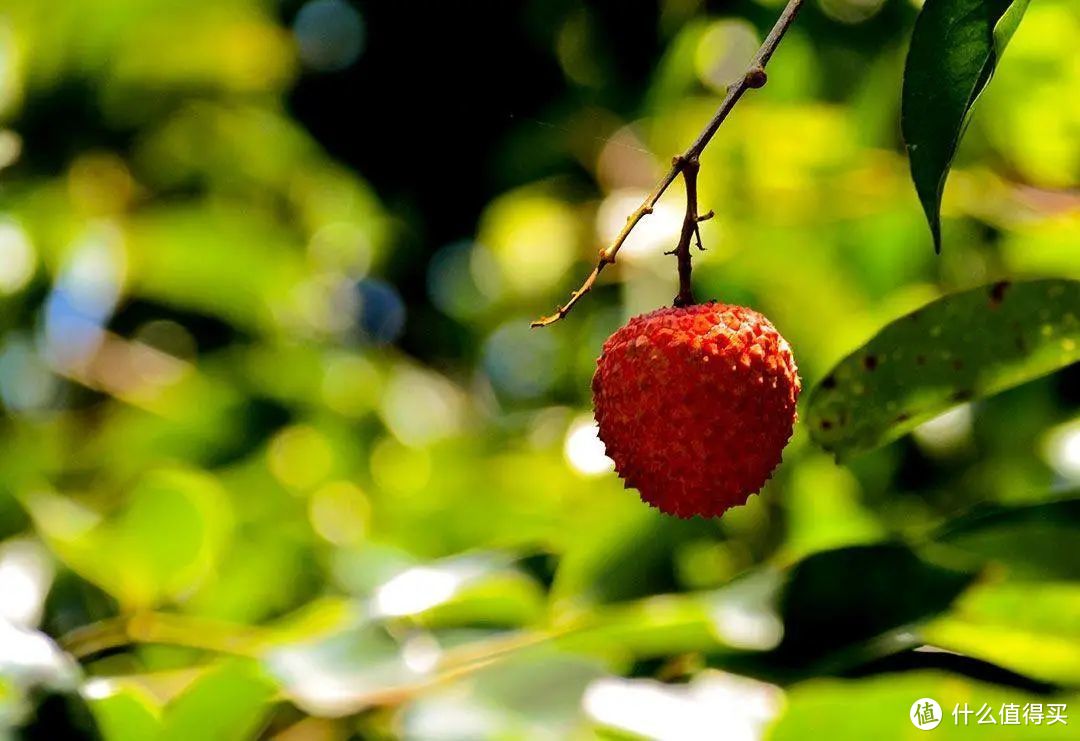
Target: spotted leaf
(958,348)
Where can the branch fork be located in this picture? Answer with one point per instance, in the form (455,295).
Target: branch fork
(691,231)
(687,164)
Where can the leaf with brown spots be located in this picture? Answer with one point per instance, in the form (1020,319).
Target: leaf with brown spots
(961,347)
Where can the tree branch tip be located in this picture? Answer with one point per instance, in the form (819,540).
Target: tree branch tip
(546,320)
(706,216)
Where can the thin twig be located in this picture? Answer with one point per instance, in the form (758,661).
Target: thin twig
(754,77)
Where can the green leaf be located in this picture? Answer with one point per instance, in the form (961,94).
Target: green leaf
(838,599)
(536,694)
(954,49)
(1033,542)
(227,704)
(877,708)
(167,538)
(1030,628)
(507,598)
(128,714)
(344,672)
(633,557)
(960,347)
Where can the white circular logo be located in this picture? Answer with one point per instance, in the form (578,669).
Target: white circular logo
(925,714)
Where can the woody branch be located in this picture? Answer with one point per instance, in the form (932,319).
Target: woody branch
(754,77)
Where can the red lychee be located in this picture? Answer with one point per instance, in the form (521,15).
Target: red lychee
(695,405)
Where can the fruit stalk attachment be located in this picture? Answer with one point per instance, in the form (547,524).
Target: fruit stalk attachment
(691,231)
(753,78)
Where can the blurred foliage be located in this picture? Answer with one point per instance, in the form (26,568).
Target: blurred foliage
(281,458)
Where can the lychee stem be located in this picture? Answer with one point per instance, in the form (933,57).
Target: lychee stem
(754,77)
(690,231)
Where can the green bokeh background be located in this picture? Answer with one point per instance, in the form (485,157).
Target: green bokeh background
(275,463)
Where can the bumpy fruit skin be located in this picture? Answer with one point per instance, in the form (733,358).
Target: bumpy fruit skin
(695,405)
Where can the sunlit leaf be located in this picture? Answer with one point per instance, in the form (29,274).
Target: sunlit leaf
(230,264)
(878,707)
(227,704)
(128,713)
(506,598)
(954,49)
(1033,629)
(652,627)
(741,616)
(344,672)
(961,347)
(527,696)
(161,544)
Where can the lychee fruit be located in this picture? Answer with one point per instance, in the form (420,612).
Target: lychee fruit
(695,405)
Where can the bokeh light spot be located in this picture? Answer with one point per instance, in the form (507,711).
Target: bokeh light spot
(520,361)
(382,312)
(351,385)
(1061,449)
(342,246)
(329,35)
(584,450)
(25,576)
(339,512)
(655,233)
(946,433)
(453,284)
(416,590)
(399,469)
(300,457)
(421,407)
(723,53)
(851,11)
(26,383)
(84,297)
(534,238)
(17,257)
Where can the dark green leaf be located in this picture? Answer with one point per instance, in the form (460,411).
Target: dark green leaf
(1035,541)
(836,599)
(960,347)
(954,49)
